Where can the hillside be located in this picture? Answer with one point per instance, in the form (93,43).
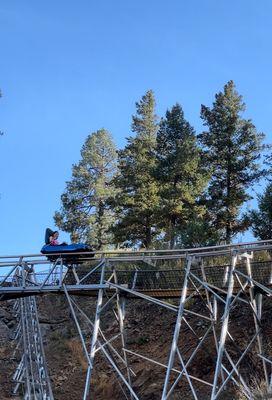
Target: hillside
(149,332)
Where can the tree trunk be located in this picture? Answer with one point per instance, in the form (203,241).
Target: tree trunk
(228,199)
(148,237)
(172,235)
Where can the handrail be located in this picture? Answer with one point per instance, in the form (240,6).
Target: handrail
(141,255)
(148,251)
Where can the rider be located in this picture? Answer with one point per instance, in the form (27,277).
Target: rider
(53,239)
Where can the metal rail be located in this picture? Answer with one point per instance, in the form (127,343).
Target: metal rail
(193,250)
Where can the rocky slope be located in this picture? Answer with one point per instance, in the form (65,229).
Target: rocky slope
(148,331)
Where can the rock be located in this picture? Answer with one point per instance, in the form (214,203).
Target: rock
(5,315)
(45,328)
(151,389)
(143,378)
(4,332)
(11,324)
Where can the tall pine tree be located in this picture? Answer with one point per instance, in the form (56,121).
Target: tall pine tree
(85,213)
(180,174)
(137,196)
(232,148)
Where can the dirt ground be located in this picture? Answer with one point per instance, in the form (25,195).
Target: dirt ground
(149,330)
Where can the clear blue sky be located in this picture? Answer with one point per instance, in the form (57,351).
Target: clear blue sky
(68,68)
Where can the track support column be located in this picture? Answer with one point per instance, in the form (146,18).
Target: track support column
(225,320)
(95,333)
(174,347)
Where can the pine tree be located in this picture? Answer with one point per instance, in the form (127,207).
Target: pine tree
(261,219)
(85,213)
(137,188)
(197,232)
(180,174)
(232,148)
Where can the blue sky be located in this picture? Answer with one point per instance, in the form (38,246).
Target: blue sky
(69,68)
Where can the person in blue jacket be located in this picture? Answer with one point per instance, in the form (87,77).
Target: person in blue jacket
(52,245)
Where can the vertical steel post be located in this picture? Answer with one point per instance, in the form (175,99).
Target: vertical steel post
(95,332)
(256,317)
(213,310)
(121,317)
(225,321)
(174,345)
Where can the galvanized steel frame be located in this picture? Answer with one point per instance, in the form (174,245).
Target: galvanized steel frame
(115,350)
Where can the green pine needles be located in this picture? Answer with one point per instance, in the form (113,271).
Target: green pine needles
(138,191)
(232,149)
(167,187)
(85,213)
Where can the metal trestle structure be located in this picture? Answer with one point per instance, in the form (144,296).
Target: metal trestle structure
(213,290)
(31,377)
